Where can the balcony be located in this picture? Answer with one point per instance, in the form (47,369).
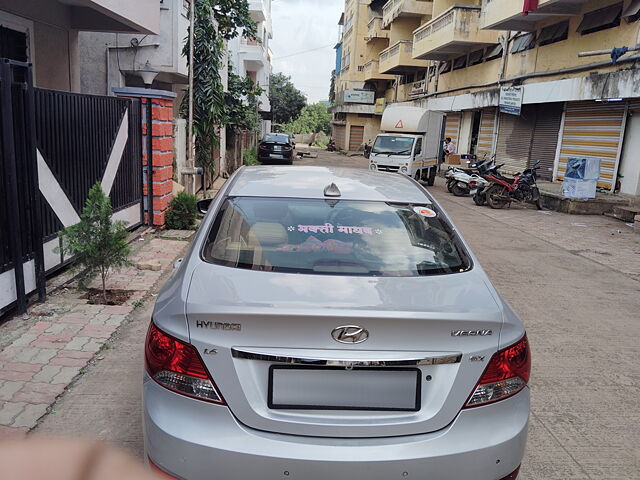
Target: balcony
(375,30)
(372,72)
(454,32)
(254,54)
(258,10)
(398,59)
(394,9)
(507,14)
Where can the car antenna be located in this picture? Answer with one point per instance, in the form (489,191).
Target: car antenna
(332,191)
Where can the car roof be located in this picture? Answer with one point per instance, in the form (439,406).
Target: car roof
(310,182)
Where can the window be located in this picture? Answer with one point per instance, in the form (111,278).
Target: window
(632,13)
(476,57)
(460,62)
(601,19)
(337,237)
(419,146)
(445,67)
(524,43)
(554,33)
(393,145)
(493,52)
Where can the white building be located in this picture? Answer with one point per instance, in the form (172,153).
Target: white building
(252,59)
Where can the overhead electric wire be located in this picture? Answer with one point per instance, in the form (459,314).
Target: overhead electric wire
(304,51)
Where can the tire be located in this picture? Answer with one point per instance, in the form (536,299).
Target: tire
(480,199)
(450,184)
(496,196)
(431,179)
(458,191)
(416,177)
(538,203)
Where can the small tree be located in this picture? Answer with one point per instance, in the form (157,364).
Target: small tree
(98,243)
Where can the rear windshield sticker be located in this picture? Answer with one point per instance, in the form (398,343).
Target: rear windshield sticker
(312,244)
(425,212)
(329,228)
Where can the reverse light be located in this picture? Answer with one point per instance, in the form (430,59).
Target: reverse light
(176,365)
(506,374)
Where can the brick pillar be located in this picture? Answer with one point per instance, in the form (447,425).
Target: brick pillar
(162,151)
(162,155)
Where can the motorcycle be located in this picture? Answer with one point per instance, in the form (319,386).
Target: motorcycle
(521,188)
(331,147)
(479,190)
(458,179)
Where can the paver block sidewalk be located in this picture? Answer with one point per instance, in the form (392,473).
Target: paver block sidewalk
(39,364)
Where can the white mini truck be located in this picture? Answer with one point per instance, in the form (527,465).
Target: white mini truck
(409,143)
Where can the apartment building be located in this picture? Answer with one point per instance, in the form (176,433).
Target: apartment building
(46,33)
(568,105)
(253,58)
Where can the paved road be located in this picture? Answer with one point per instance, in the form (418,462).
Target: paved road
(580,309)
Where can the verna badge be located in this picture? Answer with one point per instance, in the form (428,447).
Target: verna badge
(350,334)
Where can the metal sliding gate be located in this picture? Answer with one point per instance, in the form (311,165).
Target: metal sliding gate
(53,147)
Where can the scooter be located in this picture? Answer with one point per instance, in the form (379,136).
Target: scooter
(479,189)
(458,179)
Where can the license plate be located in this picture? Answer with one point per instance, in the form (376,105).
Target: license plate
(474,191)
(274,155)
(337,388)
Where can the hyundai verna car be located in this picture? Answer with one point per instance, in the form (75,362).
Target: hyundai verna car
(331,323)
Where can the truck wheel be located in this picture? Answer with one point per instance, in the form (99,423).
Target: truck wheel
(417,176)
(431,179)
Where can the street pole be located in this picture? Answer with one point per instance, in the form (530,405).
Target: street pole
(191,148)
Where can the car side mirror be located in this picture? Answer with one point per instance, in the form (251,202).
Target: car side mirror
(203,205)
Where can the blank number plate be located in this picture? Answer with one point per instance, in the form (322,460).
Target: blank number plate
(336,388)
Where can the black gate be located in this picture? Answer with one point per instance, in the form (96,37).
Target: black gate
(53,147)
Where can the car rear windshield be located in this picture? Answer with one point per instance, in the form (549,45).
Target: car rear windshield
(334,237)
(393,145)
(276,138)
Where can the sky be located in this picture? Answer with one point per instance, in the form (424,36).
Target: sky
(301,26)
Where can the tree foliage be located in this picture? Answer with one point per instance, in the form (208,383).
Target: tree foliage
(98,243)
(332,88)
(286,100)
(313,118)
(242,101)
(215,22)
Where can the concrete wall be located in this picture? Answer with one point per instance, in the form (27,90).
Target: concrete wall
(630,161)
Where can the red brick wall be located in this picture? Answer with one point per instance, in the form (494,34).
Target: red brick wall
(162,155)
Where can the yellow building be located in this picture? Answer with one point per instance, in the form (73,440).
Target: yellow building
(374,57)
(461,54)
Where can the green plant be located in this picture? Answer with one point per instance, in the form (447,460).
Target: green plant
(243,99)
(182,213)
(138,303)
(250,156)
(98,244)
(209,99)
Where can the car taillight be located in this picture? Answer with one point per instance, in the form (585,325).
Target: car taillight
(176,365)
(506,374)
(264,147)
(286,148)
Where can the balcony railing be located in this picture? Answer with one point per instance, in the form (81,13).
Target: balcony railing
(456,31)
(376,30)
(405,8)
(507,14)
(398,59)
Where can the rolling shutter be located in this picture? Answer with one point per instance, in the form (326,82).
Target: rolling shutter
(487,132)
(593,130)
(515,134)
(452,127)
(356,137)
(339,135)
(545,138)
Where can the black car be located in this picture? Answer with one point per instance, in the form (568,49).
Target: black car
(276,148)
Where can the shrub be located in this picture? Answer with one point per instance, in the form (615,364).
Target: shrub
(250,156)
(98,243)
(182,213)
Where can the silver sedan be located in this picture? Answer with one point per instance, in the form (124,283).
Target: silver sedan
(332,324)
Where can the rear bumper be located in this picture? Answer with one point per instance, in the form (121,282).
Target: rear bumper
(285,157)
(195,440)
